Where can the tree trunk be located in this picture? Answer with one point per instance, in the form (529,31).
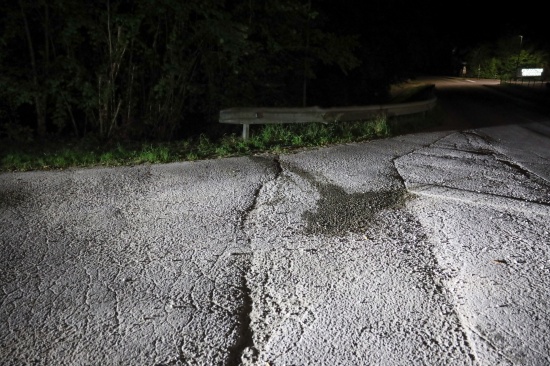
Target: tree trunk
(38,96)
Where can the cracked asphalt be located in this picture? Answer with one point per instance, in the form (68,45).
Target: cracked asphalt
(422,249)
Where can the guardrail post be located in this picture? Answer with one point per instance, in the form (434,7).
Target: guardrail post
(246,131)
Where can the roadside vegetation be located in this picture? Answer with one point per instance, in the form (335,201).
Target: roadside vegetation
(114,82)
(23,153)
(136,70)
(504,58)
(279,139)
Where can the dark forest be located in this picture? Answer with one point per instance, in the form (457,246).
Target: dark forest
(164,69)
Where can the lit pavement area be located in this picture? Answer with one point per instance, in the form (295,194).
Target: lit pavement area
(423,249)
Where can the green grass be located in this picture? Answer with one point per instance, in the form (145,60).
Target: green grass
(275,138)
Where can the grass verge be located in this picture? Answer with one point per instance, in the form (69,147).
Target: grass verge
(276,138)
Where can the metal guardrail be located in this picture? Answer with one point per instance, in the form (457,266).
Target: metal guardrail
(254,116)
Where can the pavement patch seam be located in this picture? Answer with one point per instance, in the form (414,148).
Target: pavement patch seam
(491,345)
(478,198)
(436,275)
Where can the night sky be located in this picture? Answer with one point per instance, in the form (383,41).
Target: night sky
(477,25)
(441,23)
(425,33)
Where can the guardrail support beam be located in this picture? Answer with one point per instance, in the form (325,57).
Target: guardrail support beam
(255,116)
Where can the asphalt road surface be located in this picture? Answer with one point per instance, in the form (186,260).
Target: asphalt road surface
(423,249)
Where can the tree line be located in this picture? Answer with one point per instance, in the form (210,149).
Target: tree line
(503,58)
(163,69)
(156,69)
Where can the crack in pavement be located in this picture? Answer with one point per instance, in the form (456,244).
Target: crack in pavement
(476,142)
(246,212)
(533,204)
(527,173)
(244,349)
(331,196)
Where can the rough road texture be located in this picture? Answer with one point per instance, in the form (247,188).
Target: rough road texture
(124,266)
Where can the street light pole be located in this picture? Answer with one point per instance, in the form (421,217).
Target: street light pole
(519,53)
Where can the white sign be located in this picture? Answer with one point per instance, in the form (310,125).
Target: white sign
(531,72)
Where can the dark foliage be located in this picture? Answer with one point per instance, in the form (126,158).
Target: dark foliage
(154,69)
(134,70)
